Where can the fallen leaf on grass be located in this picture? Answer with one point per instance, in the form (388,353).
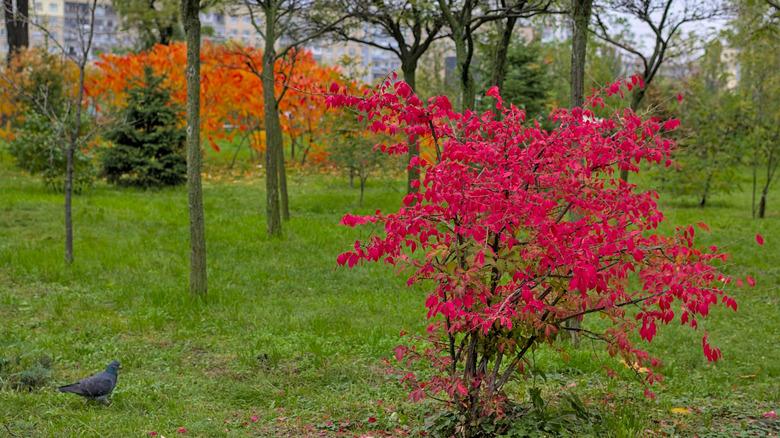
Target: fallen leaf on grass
(635,366)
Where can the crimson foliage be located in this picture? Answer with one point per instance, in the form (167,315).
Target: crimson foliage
(520,229)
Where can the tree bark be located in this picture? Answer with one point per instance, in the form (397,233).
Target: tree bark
(581,10)
(16,26)
(409,69)
(76,135)
(191,20)
(285,204)
(502,50)
(706,191)
(460,29)
(468,91)
(273,130)
(362,189)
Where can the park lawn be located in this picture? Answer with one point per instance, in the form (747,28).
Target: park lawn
(287,344)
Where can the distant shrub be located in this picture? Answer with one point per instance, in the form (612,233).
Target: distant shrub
(148,148)
(38,93)
(38,149)
(352,150)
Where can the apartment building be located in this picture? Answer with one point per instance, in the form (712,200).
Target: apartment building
(60,25)
(57,25)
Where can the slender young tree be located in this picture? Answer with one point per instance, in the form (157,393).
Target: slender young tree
(190,10)
(406,28)
(81,61)
(17,30)
(69,121)
(284,25)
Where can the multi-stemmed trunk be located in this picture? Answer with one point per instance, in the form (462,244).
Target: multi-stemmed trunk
(191,20)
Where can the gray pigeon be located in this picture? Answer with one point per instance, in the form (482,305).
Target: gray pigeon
(96,387)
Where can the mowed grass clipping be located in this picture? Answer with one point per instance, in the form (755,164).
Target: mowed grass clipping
(287,344)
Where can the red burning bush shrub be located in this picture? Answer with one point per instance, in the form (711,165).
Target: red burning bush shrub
(520,229)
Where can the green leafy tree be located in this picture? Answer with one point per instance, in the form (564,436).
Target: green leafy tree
(353,151)
(148,141)
(757,36)
(153,21)
(602,66)
(37,149)
(526,82)
(41,94)
(714,127)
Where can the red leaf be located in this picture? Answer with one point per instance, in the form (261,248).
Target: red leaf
(671,124)
(759,239)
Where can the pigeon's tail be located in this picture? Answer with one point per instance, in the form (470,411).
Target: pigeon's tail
(74,388)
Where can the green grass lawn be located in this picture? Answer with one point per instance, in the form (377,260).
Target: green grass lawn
(291,340)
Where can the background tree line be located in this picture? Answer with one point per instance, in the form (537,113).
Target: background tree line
(730,120)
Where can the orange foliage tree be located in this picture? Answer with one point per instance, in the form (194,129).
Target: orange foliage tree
(231,90)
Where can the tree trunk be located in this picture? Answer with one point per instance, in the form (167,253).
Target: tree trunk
(69,153)
(166,34)
(706,191)
(581,10)
(198,284)
(460,28)
(75,136)
(273,130)
(285,205)
(16,26)
(409,69)
(362,189)
(502,50)
(468,92)
(762,205)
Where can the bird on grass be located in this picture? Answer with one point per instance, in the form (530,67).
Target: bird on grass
(96,387)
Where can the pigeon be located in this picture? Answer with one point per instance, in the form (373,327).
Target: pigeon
(96,387)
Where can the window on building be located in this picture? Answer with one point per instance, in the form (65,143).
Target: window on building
(53,7)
